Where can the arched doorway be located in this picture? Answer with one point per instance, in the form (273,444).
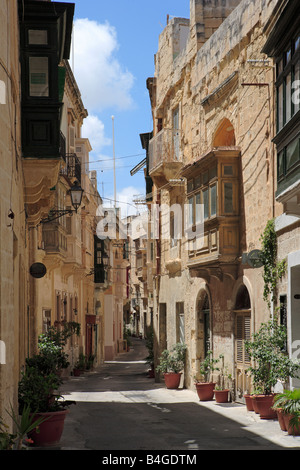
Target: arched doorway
(242,314)
(203,326)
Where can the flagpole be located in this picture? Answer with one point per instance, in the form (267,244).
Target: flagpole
(115,188)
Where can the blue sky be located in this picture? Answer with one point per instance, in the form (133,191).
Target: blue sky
(114,46)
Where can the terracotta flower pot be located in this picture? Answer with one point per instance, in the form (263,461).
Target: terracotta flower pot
(205,390)
(254,403)
(50,431)
(281,420)
(249,402)
(292,430)
(221,396)
(172,379)
(264,405)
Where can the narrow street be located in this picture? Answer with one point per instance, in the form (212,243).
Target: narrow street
(118,408)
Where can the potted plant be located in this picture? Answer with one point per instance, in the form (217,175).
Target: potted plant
(287,405)
(271,363)
(150,357)
(37,392)
(171,364)
(90,361)
(220,391)
(38,387)
(205,388)
(24,424)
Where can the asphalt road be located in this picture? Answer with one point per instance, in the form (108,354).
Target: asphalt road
(118,408)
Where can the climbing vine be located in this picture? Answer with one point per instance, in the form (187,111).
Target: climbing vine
(273,269)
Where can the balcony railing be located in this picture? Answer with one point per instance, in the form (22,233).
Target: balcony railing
(72,168)
(165,148)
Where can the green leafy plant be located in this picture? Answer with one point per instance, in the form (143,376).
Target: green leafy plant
(80,364)
(36,390)
(174,360)
(208,365)
(273,269)
(40,380)
(224,375)
(289,402)
(90,361)
(271,362)
(24,424)
(150,347)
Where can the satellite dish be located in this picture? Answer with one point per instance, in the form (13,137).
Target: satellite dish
(254,259)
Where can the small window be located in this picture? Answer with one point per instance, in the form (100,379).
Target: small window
(38,37)
(197,182)
(292,154)
(190,186)
(228,170)
(38,76)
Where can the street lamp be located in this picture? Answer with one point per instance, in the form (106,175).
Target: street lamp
(76,193)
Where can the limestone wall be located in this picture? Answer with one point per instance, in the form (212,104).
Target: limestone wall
(13,231)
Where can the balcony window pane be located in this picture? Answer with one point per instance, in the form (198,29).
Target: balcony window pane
(292,154)
(296,88)
(228,198)
(213,200)
(280,107)
(280,164)
(279,67)
(199,209)
(197,182)
(205,201)
(288,97)
(38,76)
(190,211)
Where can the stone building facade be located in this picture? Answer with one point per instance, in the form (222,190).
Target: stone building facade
(42,154)
(283,47)
(14,263)
(212,155)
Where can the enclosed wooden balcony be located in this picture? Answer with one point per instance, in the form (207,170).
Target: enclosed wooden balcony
(213,224)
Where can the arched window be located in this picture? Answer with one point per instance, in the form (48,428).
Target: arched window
(224,136)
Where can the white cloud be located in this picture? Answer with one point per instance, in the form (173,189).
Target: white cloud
(93,129)
(102,80)
(125,200)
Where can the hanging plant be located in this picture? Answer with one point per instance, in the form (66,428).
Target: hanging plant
(273,269)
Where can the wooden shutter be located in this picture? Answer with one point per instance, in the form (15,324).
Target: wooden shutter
(242,334)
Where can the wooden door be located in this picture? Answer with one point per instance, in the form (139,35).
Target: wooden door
(242,359)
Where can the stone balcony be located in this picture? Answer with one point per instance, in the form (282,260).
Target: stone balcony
(165,155)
